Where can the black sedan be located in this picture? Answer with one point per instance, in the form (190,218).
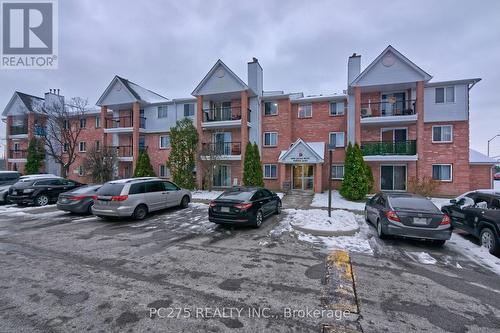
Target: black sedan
(407,215)
(39,191)
(478,213)
(244,206)
(79,201)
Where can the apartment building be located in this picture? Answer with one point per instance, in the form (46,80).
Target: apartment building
(407,125)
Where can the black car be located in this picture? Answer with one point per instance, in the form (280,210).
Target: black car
(244,206)
(477,213)
(79,200)
(9,177)
(39,191)
(407,215)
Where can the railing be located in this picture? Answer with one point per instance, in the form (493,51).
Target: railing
(224,114)
(19,129)
(388,108)
(17,153)
(124,122)
(389,148)
(126,151)
(222,148)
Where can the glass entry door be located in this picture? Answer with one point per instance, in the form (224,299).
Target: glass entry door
(222,176)
(393,177)
(303,176)
(393,104)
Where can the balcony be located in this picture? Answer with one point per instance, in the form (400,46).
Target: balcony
(389,150)
(221,151)
(388,112)
(17,154)
(123,124)
(126,153)
(19,129)
(224,117)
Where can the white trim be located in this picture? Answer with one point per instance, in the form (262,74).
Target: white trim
(80,147)
(97,121)
(167,174)
(337,165)
(264,139)
(432,135)
(445,95)
(329,138)
(228,166)
(270,165)
(336,103)
(298,110)
(393,165)
(443,180)
(159,141)
(395,158)
(389,119)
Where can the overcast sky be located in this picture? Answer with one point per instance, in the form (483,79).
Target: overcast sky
(168,46)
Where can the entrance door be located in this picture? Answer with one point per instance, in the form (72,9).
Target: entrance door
(222,111)
(222,143)
(393,104)
(303,177)
(393,177)
(222,176)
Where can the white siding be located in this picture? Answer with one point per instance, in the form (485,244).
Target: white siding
(446,111)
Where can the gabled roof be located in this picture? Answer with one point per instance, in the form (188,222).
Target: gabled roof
(211,72)
(476,157)
(316,150)
(139,93)
(400,56)
(26,99)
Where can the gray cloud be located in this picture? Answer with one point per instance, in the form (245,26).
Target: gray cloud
(168,46)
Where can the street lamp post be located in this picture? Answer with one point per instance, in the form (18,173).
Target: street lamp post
(331,149)
(489,143)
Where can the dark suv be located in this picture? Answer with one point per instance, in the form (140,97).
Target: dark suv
(39,191)
(478,213)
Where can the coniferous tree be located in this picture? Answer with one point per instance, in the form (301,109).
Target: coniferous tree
(35,156)
(248,166)
(143,167)
(356,183)
(181,161)
(259,174)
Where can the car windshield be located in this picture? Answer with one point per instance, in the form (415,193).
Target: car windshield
(413,204)
(110,189)
(86,189)
(236,195)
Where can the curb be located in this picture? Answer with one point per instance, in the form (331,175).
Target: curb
(325,233)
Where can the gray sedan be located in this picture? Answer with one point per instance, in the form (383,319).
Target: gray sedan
(79,200)
(407,215)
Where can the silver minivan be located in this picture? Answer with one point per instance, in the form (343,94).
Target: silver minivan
(136,197)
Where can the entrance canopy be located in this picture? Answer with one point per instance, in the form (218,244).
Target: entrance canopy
(301,152)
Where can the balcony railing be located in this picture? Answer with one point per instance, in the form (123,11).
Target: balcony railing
(371,148)
(222,148)
(124,122)
(126,151)
(18,129)
(224,114)
(13,153)
(388,108)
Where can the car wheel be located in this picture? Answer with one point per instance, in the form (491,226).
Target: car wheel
(278,208)
(184,202)
(89,209)
(366,216)
(258,219)
(42,200)
(380,232)
(140,212)
(488,240)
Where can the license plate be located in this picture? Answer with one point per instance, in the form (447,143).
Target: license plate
(14,192)
(420,220)
(64,200)
(224,209)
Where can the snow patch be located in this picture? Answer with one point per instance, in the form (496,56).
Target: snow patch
(474,252)
(318,220)
(338,201)
(205,195)
(422,257)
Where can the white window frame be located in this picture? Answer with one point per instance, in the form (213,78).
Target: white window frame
(264,139)
(336,109)
(84,120)
(445,95)
(442,141)
(159,143)
(271,114)
(97,121)
(440,165)
(343,171)
(80,147)
(166,169)
(16,146)
(98,145)
(299,109)
(393,165)
(336,133)
(184,109)
(270,166)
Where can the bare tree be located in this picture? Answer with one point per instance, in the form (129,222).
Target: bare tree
(62,130)
(100,164)
(210,160)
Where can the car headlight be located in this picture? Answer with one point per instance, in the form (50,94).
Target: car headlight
(29,190)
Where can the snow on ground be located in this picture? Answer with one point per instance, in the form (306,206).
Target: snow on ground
(422,257)
(212,195)
(474,252)
(317,219)
(338,201)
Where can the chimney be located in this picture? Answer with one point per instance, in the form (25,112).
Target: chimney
(255,76)
(353,67)
(53,99)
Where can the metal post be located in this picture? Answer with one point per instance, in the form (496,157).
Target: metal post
(489,143)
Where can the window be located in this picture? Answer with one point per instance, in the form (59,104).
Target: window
(270,171)
(82,146)
(97,121)
(81,171)
(336,109)
(189,110)
(65,147)
(443,133)
(98,145)
(162,111)
(270,139)
(137,188)
(154,187)
(270,108)
(445,95)
(305,111)
(164,172)
(442,172)
(16,146)
(83,122)
(338,171)
(337,139)
(164,141)
(170,186)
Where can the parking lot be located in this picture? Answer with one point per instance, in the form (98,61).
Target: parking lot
(63,272)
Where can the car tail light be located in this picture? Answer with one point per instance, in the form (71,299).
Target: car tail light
(243,206)
(94,197)
(391,215)
(77,197)
(212,204)
(445,220)
(119,197)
